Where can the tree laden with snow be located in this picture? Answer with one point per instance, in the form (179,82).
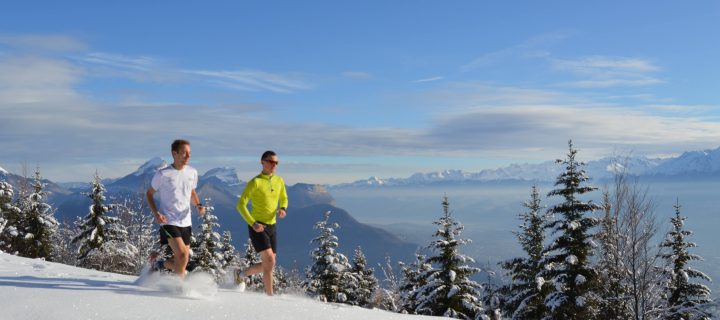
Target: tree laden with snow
(102,240)
(230,258)
(685,299)
(10,218)
(574,292)
(37,222)
(411,283)
(139,224)
(614,289)
(525,295)
(367,283)
(207,245)
(448,290)
(328,278)
(254,282)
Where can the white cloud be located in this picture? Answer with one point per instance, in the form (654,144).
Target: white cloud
(35,79)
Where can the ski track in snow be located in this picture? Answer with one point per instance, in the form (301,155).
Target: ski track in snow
(35,289)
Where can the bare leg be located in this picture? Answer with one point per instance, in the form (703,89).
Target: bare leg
(266,267)
(181,256)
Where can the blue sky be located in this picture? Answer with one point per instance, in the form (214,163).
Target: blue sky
(346,90)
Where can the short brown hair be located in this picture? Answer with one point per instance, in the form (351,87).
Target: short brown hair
(177,144)
(267,154)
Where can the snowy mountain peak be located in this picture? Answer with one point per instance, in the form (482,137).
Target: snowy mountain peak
(151,166)
(3,171)
(226,175)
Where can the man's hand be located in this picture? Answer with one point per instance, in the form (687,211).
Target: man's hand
(282,213)
(258,227)
(201,210)
(160,218)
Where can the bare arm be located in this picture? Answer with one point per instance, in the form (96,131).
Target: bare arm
(196,201)
(159,217)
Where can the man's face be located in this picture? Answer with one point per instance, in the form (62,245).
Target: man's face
(269,164)
(183,155)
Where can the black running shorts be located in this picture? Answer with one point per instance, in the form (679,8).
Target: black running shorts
(267,239)
(167,231)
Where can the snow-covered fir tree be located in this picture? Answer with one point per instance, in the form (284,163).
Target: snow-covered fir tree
(206,251)
(524,297)
(411,282)
(493,301)
(614,297)
(448,289)
(138,222)
(250,258)
(66,250)
(230,258)
(367,283)
(685,298)
(102,240)
(9,219)
(567,265)
(38,224)
(328,278)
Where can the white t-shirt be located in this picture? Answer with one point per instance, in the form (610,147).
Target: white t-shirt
(175,188)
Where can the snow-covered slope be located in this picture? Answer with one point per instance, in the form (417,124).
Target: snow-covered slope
(225,175)
(36,289)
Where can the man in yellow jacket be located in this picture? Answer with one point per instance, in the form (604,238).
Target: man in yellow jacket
(266,192)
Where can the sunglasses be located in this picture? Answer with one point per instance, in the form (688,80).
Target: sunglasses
(272,162)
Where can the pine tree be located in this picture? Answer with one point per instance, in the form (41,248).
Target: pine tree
(411,283)
(229,253)
(328,278)
(448,290)
(39,225)
(685,299)
(567,259)
(524,296)
(9,219)
(139,224)
(102,240)
(206,253)
(614,297)
(254,282)
(367,283)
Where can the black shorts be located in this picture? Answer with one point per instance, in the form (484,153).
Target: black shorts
(267,239)
(169,231)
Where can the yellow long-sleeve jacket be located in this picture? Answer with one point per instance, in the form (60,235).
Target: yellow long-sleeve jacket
(266,193)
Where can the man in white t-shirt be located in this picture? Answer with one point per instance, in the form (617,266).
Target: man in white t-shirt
(176,185)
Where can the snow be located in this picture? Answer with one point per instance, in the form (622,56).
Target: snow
(226,175)
(36,289)
(3,171)
(151,166)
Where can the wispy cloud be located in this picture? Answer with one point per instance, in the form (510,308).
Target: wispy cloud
(429,79)
(531,48)
(141,63)
(253,80)
(603,71)
(357,75)
(42,42)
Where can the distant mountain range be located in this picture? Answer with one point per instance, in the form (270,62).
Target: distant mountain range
(690,164)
